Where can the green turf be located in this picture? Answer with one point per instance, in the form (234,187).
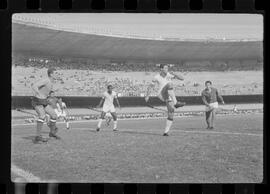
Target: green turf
(138,153)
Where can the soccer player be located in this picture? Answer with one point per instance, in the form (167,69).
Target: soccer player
(59,107)
(210,98)
(108,107)
(41,90)
(166,93)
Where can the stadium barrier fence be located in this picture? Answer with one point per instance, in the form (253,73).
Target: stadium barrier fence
(85,102)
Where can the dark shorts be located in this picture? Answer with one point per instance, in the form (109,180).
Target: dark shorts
(37,102)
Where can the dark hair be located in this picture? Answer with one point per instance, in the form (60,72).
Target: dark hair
(50,71)
(162,65)
(208,82)
(109,86)
(51,92)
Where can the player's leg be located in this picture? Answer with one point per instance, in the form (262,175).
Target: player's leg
(102,116)
(213,115)
(52,124)
(114,116)
(64,115)
(208,118)
(170,108)
(167,92)
(41,119)
(108,119)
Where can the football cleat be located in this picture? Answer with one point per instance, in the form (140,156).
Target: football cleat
(54,136)
(39,139)
(179,104)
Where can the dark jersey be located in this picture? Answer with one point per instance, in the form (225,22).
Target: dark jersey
(210,97)
(53,102)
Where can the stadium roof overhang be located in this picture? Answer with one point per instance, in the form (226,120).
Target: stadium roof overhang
(43,41)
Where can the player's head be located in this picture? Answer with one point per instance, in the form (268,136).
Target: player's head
(164,68)
(208,84)
(110,88)
(52,94)
(51,72)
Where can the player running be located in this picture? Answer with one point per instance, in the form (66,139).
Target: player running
(209,98)
(166,93)
(59,107)
(108,107)
(42,89)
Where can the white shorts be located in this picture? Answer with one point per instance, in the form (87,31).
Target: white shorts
(60,114)
(212,105)
(107,109)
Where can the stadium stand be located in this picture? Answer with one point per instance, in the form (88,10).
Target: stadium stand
(81,78)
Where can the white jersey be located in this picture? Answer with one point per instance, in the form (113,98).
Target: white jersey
(162,81)
(108,98)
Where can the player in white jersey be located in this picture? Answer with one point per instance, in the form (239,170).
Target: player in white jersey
(108,107)
(166,93)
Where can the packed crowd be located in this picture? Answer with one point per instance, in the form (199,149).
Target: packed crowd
(82,78)
(85,64)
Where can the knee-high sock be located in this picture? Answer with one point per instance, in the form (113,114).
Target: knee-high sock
(212,118)
(168,125)
(115,124)
(39,127)
(52,125)
(99,123)
(172,95)
(208,118)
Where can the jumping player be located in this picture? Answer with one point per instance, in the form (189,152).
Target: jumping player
(41,90)
(209,98)
(59,107)
(166,93)
(108,107)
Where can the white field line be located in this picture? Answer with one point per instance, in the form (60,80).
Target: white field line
(201,132)
(27,176)
(127,119)
(93,121)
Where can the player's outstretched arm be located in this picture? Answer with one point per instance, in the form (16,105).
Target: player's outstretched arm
(100,103)
(117,101)
(220,98)
(177,76)
(204,100)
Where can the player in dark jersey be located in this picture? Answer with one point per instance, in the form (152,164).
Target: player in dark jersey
(41,90)
(210,98)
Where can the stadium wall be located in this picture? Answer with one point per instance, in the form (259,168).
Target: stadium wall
(84,102)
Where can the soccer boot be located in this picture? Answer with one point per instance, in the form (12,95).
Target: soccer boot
(165,134)
(39,139)
(179,104)
(54,136)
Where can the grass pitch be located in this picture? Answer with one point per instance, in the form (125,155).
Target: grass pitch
(138,152)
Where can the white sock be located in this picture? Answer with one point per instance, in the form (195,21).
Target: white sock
(168,126)
(67,124)
(114,124)
(99,123)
